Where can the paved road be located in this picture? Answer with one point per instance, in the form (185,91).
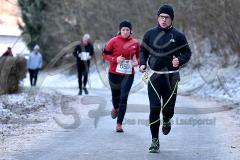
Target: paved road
(214,137)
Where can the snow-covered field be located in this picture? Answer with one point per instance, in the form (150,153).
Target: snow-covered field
(210,80)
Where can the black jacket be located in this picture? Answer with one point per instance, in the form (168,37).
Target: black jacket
(160,45)
(78,49)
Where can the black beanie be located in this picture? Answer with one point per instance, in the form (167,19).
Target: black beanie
(167,9)
(125,23)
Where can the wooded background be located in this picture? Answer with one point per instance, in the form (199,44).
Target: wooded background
(55,24)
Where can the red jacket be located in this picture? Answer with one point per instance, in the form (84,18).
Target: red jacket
(117,46)
(7,53)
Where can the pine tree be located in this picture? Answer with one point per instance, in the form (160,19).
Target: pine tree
(32,17)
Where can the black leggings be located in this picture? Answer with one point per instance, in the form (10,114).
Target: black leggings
(120,88)
(83,69)
(164,85)
(33,76)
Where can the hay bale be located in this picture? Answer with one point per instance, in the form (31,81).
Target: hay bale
(13,69)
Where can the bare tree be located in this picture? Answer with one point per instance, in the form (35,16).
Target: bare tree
(54,24)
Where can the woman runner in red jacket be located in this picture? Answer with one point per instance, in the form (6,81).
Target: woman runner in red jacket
(120,52)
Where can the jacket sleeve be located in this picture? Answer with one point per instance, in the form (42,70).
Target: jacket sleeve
(28,61)
(92,50)
(107,52)
(40,62)
(185,51)
(144,52)
(138,53)
(76,50)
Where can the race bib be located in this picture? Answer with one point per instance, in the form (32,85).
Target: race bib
(125,67)
(85,56)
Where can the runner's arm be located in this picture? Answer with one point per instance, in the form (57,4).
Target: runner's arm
(107,52)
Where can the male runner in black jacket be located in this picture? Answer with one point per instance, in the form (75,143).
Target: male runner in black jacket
(164,49)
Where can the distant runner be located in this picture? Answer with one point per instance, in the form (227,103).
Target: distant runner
(83,54)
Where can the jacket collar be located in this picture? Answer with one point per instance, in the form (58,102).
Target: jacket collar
(126,39)
(165,29)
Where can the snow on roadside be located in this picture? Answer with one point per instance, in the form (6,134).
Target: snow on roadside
(28,116)
(65,80)
(210,80)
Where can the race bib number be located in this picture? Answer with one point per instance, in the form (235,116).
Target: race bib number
(125,67)
(85,56)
